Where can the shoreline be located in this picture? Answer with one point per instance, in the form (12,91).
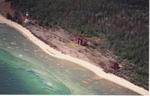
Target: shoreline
(98,71)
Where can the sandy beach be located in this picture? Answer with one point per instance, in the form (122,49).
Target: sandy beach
(98,71)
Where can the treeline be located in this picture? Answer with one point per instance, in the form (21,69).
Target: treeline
(123,22)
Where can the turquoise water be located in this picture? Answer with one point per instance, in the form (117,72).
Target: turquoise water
(26,69)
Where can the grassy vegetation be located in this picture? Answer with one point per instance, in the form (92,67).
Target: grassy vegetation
(123,22)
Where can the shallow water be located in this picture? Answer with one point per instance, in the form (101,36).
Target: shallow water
(26,69)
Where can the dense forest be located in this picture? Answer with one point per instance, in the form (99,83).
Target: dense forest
(124,23)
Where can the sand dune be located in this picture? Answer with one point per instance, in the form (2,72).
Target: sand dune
(98,71)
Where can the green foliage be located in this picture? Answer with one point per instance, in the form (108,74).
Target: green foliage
(123,22)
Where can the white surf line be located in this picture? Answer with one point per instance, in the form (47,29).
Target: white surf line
(97,70)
